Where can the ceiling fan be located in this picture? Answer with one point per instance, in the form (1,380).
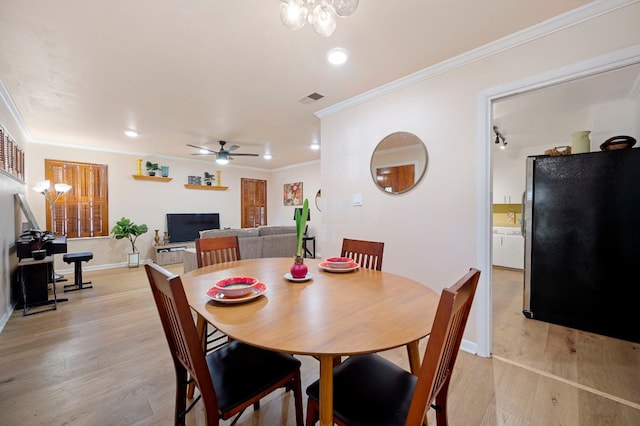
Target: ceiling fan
(224,155)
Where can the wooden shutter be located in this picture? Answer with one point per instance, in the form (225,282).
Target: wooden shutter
(253,203)
(81,212)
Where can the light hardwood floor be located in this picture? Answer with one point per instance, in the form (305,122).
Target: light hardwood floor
(102,359)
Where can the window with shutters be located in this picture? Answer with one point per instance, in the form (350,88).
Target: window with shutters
(81,212)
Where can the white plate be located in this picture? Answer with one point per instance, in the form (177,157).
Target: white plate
(258,290)
(352,267)
(298,280)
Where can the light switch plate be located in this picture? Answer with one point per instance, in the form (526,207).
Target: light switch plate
(357,199)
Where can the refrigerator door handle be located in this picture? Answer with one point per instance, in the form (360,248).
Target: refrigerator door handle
(522,215)
(526,228)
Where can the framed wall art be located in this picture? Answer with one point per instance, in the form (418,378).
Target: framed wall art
(293,194)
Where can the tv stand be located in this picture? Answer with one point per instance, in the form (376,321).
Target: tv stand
(170,253)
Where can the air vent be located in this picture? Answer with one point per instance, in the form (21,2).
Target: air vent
(311,98)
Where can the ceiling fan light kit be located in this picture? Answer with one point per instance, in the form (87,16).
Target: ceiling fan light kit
(321,14)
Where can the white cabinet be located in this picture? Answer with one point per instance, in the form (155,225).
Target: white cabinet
(514,251)
(498,250)
(508,249)
(509,177)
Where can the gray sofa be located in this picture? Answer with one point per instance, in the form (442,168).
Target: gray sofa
(264,241)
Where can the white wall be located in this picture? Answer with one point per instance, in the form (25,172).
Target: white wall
(309,175)
(431,233)
(10,216)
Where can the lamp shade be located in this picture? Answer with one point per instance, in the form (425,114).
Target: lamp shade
(299,209)
(62,187)
(42,187)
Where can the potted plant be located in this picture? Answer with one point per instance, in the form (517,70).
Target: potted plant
(125,228)
(208,178)
(36,240)
(299,269)
(152,167)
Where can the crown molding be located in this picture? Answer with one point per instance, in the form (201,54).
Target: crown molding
(557,23)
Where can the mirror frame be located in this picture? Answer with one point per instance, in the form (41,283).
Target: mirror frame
(419,172)
(318,198)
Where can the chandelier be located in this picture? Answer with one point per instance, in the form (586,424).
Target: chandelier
(321,14)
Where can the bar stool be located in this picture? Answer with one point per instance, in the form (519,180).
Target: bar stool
(77,259)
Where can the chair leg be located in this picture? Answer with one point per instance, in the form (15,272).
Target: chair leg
(441,403)
(313,413)
(181,396)
(297,396)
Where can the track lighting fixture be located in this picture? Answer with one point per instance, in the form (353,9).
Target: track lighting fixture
(499,138)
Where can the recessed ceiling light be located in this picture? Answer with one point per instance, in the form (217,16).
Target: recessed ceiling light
(131,133)
(337,56)
(267,156)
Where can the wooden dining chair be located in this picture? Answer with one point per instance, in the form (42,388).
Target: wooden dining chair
(368,389)
(229,379)
(368,254)
(210,251)
(215,250)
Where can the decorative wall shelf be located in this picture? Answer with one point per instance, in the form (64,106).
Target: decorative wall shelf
(156,178)
(207,187)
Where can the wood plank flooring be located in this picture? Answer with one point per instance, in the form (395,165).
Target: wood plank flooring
(102,359)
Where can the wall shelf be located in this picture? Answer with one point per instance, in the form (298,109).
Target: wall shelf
(207,187)
(156,178)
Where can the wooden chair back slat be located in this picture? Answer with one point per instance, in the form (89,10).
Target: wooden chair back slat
(211,251)
(368,254)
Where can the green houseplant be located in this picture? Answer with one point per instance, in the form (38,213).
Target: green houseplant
(125,228)
(36,240)
(152,167)
(299,269)
(208,178)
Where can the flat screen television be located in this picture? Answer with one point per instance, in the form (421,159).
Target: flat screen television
(185,227)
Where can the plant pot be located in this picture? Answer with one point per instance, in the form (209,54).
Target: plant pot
(208,183)
(133,260)
(152,173)
(38,254)
(299,269)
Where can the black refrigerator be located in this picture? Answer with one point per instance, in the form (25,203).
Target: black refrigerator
(581,225)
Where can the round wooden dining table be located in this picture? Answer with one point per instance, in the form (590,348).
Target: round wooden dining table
(331,314)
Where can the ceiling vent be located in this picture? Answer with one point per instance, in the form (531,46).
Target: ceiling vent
(311,98)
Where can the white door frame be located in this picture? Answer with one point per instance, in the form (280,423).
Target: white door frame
(610,61)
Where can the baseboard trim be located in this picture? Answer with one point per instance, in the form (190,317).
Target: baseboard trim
(469,346)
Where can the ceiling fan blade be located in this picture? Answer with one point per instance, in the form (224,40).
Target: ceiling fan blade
(232,147)
(202,148)
(237,154)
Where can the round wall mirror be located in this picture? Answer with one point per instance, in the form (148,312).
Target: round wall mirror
(399,162)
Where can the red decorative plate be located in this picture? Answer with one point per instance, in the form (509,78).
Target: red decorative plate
(327,267)
(259,289)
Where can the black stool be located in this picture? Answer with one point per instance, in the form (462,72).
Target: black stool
(78,258)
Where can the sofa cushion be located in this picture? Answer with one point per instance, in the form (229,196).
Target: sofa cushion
(275,241)
(282,245)
(275,230)
(251,247)
(241,233)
